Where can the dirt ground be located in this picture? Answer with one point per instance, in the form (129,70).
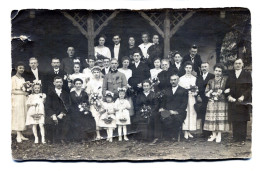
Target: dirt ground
(195,149)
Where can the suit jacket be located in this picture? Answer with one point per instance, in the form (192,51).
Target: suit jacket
(67,65)
(49,79)
(29,76)
(238,87)
(180,72)
(196,64)
(176,102)
(103,71)
(154,51)
(121,53)
(55,105)
(202,85)
(164,78)
(139,74)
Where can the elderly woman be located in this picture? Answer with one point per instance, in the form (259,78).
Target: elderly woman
(187,81)
(18,102)
(216,119)
(101,51)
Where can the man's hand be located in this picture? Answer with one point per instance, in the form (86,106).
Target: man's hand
(241,99)
(231,99)
(139,85)
(60,116)
(174,112)
(161,110)
(199,99)
(54,118)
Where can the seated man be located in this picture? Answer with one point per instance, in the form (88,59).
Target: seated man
(174,103)
(56,107)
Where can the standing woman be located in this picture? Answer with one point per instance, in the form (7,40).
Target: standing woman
(82,122)
(187,81)
(216,119)
(101,51)
(19,109)
(78,74)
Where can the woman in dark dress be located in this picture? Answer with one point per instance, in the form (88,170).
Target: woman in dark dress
(82,122)
(146,111)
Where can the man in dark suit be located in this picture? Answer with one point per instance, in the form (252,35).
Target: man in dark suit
(55,71)
(239,83)
(57,116)
(140,72)
(195,58)
(177,64)
(175,102)
(117,50)
(106,65)
(33,73)
(154,51)
(67,64)
(165,75)
(202,82)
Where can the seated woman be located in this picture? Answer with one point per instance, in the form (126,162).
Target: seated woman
(187,81)
(77,74)
(101,51)
(216,119)
(146,109)
(82,122)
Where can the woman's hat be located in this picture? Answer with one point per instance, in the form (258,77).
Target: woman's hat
(121,89)
(96,68)
(109,94)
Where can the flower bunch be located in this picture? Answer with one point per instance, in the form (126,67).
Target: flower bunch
(95,100)
(146,111)
(214,95)
(123,120)
(83,107)
(27,86)
(108,120)
(36,116)
(159,95)
(194,89)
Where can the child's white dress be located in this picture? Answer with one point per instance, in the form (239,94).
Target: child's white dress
(122,105)
(110,112)
(35,114)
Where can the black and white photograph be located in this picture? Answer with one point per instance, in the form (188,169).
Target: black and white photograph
(131,84)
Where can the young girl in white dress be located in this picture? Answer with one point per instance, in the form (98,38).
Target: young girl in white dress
(108,118)
(157,68)
(186,81)
(122,107)
(35,113)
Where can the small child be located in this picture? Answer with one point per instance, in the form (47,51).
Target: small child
(122,114)
(156,70)
(108,118)
(35,113)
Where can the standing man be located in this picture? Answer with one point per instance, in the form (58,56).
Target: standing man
(57,115)
(113,80)
(117,50)
(33,73)
(173,107)
(195,58)
(202,82)
(67,64)
(106,66)
(239,83)
(55,71)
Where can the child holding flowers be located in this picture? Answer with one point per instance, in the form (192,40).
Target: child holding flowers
(122,107)
(35,113)
(108,118)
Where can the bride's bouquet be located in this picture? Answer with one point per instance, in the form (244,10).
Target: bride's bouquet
(95,100)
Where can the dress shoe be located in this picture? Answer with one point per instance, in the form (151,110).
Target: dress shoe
(18,139)
(212,138)
(218,138)
(36,141)
(43,140)
(186,135)
(25,139)
(125,138)
(120,138)
(189,134)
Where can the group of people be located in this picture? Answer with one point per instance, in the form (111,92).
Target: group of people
(131,90)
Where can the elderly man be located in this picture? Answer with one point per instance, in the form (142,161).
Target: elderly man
(194,57)
(67,64)
(239,84)
(33,73)
(113,80)
(202,82)
(173,108)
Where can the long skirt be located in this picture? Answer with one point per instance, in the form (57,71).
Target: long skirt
(19,112)
(216,118)
(190,123)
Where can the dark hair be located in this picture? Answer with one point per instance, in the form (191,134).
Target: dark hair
(76,63)
(125,58)
(91,57)
(20,63)
(156,58)
(131,37)
(238,59)
(138,51)
(188,63)
(148,35)
(117,35)
(102,36)
(194,47)
(146,81)
(176,52)
(77,79)
(205,63)
(57,78)
(219,65)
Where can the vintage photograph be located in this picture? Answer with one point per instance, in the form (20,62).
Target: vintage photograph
(131,85)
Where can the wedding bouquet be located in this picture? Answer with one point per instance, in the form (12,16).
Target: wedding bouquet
(95,101)
(214,95)
(194,89)
(27,86)
(146,111)
(83,107)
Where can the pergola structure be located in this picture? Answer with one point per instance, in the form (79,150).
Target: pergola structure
(165,22)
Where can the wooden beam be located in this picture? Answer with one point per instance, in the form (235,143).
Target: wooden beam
(105,23)
(75,23)
(167,37)
(91,38)
(180,23)
(157,28)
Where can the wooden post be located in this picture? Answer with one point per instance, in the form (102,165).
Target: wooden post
(167,37)
(91,36)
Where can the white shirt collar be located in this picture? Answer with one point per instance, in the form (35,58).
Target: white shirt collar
(137,64)
(205,75)
(58,91)
(146,93)
(174,89)
(56,70)
(117,46)
(178,65)
(238,72)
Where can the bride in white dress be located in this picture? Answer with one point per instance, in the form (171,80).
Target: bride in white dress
(186,81)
